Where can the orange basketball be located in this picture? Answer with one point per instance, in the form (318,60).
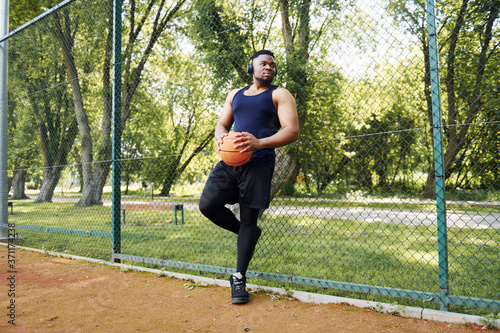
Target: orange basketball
(231,155)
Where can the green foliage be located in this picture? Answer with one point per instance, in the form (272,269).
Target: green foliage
(469,68)
(186,71)
(490,321)
(191,285)
(21,12)
(219,34)
(23,146)
(173,124)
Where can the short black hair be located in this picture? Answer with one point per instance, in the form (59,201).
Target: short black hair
(258,53)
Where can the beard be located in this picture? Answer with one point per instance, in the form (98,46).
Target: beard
(265,81)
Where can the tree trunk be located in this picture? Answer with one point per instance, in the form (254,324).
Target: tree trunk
(127,181)
(9,184)
(325,182)
(51,177)
(66,40)
(176,170)
(18,183)
(92,191)
(429,190)
(287,161)
(286,169)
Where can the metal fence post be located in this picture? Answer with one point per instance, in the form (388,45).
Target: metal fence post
(4,195)
(117,130)
(438,156)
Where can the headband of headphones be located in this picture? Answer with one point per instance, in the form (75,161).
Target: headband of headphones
(250,67)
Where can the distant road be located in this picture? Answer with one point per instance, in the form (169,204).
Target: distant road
(394,216)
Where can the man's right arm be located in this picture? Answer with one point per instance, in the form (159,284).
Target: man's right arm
(226,118)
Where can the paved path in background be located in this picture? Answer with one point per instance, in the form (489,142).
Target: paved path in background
(396,216)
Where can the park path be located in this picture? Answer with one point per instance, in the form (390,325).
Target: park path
(395,216)
(471,220)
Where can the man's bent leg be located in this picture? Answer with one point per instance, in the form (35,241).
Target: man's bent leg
(215,210)
(220,190)
(247,237)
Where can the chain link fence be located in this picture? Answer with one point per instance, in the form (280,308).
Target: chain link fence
(356,201)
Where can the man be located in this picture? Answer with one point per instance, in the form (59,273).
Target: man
(144,187)
(258,111)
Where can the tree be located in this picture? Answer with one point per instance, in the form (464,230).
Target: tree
(21,12)
(130,164)
(229,34)
(139,45)
(36,64)
(23,145)
(323,158)
(172,121)
(23,150)
(470,28)
(468,103)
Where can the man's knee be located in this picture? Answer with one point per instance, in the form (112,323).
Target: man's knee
(209,206)
(205,206)
(249,216)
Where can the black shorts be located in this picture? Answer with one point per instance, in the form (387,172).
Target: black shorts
(248,185)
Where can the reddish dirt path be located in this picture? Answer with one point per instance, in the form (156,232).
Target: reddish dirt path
(63,295)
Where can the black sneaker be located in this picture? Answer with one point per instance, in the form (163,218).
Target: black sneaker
(239,293)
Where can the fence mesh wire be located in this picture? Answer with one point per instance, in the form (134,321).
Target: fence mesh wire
(353,206)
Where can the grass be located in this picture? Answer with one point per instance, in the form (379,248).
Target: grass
(378,254)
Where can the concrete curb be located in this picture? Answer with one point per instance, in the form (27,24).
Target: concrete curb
(400,310)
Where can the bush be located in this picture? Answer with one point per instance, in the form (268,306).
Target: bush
(31,186)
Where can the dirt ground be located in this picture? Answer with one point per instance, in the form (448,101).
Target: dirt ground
(63,295)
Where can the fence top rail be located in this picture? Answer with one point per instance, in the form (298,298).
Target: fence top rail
(36,19)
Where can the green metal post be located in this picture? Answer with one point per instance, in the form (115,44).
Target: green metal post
(438,156)
(117,130)
(4,195)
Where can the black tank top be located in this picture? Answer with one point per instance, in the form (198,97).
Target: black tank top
(257,115)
